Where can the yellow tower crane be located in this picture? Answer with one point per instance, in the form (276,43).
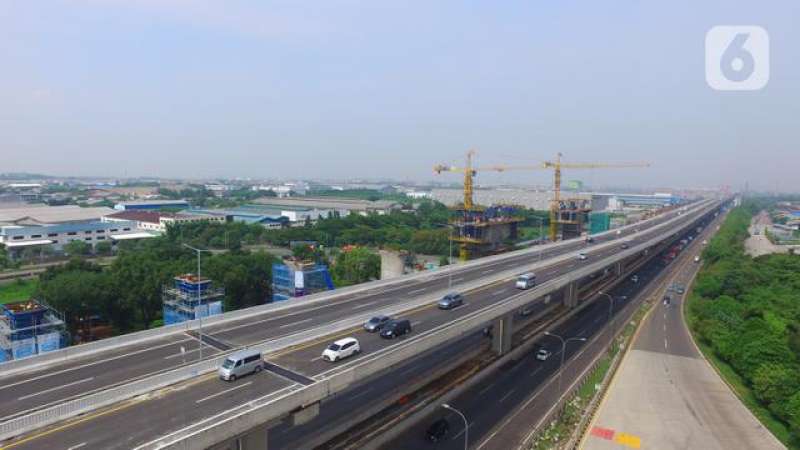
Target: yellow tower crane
(469,173)
(557,165)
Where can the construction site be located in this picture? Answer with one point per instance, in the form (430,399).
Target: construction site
(480,230)
(28,328)
(191,297)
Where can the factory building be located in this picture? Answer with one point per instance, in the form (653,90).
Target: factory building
(149,205)
(158,222)
(55,226)
(190,298)
(28,328)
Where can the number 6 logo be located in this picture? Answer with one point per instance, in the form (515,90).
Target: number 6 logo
(737,58)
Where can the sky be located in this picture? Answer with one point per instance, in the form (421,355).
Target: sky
(371,89)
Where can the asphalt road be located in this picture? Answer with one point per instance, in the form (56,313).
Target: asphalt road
(488,404)
(180,405)
(666,396)
(22,393)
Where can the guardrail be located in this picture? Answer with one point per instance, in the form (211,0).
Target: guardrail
(22,424)
(238,420)
(15,367)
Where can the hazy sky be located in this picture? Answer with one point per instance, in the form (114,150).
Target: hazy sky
(379,88)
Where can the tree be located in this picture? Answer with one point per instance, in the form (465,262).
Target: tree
(103,248)
(356,266)
(77,248)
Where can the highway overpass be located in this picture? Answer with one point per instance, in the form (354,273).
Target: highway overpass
(81,380)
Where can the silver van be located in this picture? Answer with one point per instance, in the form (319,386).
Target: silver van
(526,280)
(240,364)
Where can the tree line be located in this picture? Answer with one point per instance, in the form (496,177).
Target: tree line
(128,293)
(747,310)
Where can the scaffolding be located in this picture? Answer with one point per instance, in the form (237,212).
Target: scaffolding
(29,328)
(484,231)
(295,278)
(191,298)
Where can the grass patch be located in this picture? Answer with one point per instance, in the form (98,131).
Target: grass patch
(777,427)
(18,290)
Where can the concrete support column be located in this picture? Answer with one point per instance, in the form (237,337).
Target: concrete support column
(502,330)
(255,439)
(571,295)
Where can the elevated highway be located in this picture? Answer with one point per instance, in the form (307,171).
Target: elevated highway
(293,336)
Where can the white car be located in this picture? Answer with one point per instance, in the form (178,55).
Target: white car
(697,259)
(543,354)
(341,349)
(582,256)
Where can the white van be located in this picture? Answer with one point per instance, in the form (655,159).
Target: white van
(526,280)
(240,364)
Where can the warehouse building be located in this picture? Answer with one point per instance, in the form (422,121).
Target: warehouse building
(149,205)
(158,222)
(55,226)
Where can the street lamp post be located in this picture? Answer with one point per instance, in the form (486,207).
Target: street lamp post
(610,317)
(199,298)
(563,352)
(466,424)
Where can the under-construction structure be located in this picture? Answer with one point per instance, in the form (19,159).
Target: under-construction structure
(28,328)
(568,216)
(296,278)
(191,297)
(479,230)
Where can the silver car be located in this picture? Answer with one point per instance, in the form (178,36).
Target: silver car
(240,364)
(376,323)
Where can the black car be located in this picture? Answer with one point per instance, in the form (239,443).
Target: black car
(376,323)
(589,239)
(624,245)
(438,430)
(396,328)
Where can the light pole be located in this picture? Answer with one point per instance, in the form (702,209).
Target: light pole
(450,251)
(563,351)
(610,317)
(466,424)
(199,298)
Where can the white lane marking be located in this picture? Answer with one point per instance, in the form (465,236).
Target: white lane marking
(100,361)
(506,396)
(75,447)
(361,394)
(224,392)
(488,271)
(364,305)
(56,388)
(296,323)
(458,280)
(484,390)
(665,343)
(417,291)
(414,324)
(462,431)
(317,358)
(206,347)
(498,292)
(533,374)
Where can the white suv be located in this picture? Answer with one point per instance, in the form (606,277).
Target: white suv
(341,349)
